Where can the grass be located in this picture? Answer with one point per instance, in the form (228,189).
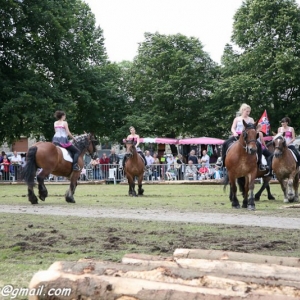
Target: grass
(33,242)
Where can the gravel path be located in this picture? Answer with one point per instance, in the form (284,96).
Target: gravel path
(158,215)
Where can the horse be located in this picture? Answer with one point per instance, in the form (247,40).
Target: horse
(134,167)
(241,161)
(49,158)
(286,167)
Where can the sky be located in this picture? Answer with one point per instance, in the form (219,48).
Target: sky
(124,23)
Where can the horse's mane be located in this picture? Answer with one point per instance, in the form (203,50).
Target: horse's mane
(81,141)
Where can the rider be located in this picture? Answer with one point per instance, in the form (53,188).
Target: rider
(289,134)
(237,128)
(60,137)
(268,155)
(136,139)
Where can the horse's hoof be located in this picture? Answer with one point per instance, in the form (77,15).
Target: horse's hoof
(251,207)
(256,199)
(236,206)
(285,201)
(271,198)
(42,198)
(244,206)
(70,200)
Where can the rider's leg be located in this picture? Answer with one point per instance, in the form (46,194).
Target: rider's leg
(292,147)
(259,156)
(75,151)
(143,156)
(225,147)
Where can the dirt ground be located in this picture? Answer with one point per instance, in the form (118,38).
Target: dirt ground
(159,215)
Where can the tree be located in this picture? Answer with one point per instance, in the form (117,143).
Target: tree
(53,57)
(170,83)
(265,74)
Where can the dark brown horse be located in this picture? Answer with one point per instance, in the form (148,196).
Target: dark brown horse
(49,158)
(285,167)
(241,161)
(134,167)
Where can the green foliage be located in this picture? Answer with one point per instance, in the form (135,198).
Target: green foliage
(170,84)
(53,57)
(265,74)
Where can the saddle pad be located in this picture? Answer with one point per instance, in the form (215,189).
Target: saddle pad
(294,155)
(263,160)
(66,154)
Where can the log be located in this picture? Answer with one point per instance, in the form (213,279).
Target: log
(237,256)
(126,288)
(105,280)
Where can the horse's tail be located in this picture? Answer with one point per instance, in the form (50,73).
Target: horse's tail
(29,171)
(225,182)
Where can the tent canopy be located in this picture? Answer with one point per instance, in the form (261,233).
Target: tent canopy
(201,140)
(187,141)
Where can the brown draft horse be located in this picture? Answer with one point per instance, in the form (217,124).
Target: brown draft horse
(49,159)
(285,167)
(134,167)
(241,161)
(265,179)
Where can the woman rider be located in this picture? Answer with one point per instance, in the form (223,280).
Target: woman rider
(136,139)
(237,128)
(289,135)
(60,137)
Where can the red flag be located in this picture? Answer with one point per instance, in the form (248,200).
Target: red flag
(265,124)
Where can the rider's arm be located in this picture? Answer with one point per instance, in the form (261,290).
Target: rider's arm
(233,127)
(67,130)
(293,135)
(137,140)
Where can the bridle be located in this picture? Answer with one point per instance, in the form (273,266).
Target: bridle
(250,126)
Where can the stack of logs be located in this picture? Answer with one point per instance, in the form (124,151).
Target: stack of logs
(191,274)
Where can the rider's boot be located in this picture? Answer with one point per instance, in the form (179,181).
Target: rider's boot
(76,167)
(270,170)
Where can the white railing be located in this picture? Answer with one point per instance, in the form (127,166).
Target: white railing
(109,173)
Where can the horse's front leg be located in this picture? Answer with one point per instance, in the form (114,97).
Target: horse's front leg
(290,193)
(283,184)
(131,184)
(69,196)
(251,203)
(140,190)
(43,193)
(246,192)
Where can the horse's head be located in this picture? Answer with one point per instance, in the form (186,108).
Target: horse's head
(279,144)
(130,147)
(249,137)
(87,142)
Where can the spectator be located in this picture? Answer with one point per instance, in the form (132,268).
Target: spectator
(16,161)
(156,167)
(179,166)
(190,171)
(171,173)
(217,172)
(95,163)
(114,162)
(150,161)
(5,167)
(205,158)
(203,172)
(193,157)
(104,162)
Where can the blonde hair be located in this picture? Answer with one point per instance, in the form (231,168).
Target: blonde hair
(131,127)
(243,107)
